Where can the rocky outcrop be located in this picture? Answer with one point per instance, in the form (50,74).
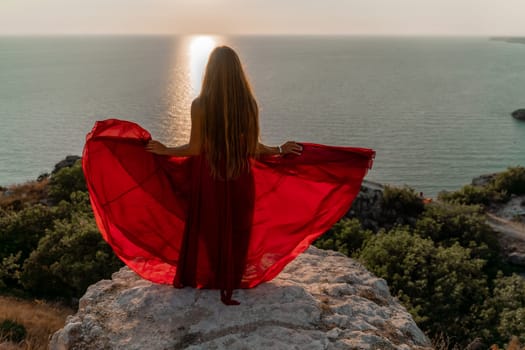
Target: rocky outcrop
(484,180)
(519,114)
(67,162)
(367,205)
(376,209)
(322,300)
(508,220)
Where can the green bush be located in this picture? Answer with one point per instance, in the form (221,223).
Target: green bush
(498,190)
(71,256)
(20,231)
(54,250)
(77,202)
(400,206)
(12,331)
(442,287)
(511,181)
(441,260)
(505,310)
(471,195)
(10,271)
(57,250)
(448,224)
(66,181)
(346,236)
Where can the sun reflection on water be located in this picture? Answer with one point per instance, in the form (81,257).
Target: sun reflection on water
(199,50)
(190,55)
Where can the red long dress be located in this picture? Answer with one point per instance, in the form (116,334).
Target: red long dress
(171,222)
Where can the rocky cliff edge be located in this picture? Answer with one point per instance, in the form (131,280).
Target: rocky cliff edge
(322,300)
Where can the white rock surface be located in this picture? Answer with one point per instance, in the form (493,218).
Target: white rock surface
(322,300)
(508,219)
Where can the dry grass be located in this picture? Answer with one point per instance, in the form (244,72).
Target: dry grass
(41,320)
(514,344)
(30,192)
(442,342)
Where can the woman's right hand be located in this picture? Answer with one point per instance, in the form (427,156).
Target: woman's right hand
(291,147)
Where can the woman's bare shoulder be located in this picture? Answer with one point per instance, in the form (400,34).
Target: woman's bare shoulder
(197,107)
(197,103)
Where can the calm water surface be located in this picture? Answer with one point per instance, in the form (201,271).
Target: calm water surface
(436,110)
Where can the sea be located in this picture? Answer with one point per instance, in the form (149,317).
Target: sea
(436,110)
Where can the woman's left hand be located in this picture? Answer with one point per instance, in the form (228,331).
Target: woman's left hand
(156,147)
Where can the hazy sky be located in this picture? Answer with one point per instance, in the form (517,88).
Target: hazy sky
(377,17)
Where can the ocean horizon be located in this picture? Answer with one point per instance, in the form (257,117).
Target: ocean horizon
(435,109)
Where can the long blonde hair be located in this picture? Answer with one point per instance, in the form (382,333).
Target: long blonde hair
(230,127)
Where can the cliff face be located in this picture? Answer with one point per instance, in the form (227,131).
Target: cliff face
(322,300)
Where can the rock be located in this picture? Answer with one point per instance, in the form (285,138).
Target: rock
(476,344)
(42,177)
(367,205)
(370,209)
(67,162)
(516,258)
(519,114)
(321,300)
(508,220)
(512,210)
(511,241)
(483,180)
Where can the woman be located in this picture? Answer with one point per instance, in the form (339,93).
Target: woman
(223,211)
(224,128)
(225,119)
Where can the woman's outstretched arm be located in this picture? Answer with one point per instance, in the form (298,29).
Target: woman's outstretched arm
(192,148)
(287,148)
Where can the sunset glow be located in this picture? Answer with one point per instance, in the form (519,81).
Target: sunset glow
(354,17)
(188,65)
(198,51)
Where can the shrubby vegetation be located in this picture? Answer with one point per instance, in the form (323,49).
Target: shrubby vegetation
(442,287)
(400,206)
(505,309)
(498,189)
(12,331)
(70,256)
(66,181)
(346,236)
(511,181)
(442,261)
(51,247)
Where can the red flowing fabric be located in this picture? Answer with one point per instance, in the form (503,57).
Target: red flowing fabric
(172,223)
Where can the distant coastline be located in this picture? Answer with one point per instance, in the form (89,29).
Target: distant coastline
(510,39)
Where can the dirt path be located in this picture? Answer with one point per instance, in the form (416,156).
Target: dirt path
(507,227)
